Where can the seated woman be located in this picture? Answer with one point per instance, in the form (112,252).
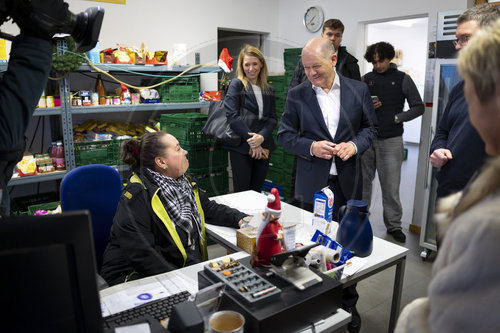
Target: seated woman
(160,220)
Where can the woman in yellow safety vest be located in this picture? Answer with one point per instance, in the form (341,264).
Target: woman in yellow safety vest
(160,221)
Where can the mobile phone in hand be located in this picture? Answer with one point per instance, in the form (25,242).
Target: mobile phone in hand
(375,99)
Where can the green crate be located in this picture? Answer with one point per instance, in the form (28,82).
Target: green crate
(117,143)
(95,152)
(19,205)
(43,206)
(186,127)
(291,57)
(180,90)
(275,175)
(288,159)
(204,156)
(276,160)
(278,83)
(215,182)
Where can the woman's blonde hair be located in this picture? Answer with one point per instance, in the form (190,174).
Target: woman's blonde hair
(249,50)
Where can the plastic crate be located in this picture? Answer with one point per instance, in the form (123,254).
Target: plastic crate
(180,90)
(278,83)
(288,159)
(19,205)
(275,175)
(117,143)
(43,206)
(276,160)
(213,183)
(267,187)
(204,156)
(186,127)
(95,152)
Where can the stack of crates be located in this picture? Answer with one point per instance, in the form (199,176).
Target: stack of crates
(280,170)
(180,90)
(207,160)
(291,58)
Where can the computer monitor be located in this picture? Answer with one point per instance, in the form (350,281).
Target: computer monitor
(48,275)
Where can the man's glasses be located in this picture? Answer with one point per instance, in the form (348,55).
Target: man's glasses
(462,40)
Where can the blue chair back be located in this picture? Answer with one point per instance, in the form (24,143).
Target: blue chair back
(97,188)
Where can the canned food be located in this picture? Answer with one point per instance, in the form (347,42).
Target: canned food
(76,101)
(116,100)
(109,100)
(42,103)
(50,101)
(95,98)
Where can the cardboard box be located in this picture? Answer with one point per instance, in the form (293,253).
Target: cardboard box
(323,204)
(246,238)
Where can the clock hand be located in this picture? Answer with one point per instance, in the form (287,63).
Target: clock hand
(312,19)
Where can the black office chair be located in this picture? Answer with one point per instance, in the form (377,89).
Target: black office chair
(95,187)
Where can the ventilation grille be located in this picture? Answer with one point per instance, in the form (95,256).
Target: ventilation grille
(447,24)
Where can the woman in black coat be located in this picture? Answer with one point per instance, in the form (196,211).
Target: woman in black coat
(251,112)
(159,224)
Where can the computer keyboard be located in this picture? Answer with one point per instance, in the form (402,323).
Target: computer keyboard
(158,309)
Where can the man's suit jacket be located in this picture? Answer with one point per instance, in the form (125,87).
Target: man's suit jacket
(235,97)
(302,123)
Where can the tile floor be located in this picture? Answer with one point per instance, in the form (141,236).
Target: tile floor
(376,291)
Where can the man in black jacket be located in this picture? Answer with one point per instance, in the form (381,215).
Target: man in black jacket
(389,88)
(347,65)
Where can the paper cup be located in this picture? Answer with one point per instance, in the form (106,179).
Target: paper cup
(226,321)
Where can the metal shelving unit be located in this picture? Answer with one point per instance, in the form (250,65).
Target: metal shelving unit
(66,111)
(138,107)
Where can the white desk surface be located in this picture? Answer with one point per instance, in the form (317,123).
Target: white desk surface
(252,203)
(124,296)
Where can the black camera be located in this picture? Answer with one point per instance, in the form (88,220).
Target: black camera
(48,17)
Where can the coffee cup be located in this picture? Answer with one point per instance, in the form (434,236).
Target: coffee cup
(226,321)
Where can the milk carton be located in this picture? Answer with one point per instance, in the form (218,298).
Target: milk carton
(322,211)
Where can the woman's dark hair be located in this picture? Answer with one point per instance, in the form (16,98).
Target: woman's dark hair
(383,49)
(142,153)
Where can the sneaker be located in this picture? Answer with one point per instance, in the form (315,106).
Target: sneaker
(398,235)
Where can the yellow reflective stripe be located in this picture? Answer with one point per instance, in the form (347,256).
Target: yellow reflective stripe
(203,242)
(135,179)
(128,195)
(160,211)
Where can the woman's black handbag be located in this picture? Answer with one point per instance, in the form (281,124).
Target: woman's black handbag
(218,127)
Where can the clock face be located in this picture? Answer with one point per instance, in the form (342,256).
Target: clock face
(313,18)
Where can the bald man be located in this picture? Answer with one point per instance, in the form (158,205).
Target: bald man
(329,120)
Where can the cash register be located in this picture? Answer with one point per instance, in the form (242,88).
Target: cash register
(287,297)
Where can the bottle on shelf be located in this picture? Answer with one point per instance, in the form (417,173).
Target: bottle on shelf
(52,152)
(99,89)
(59,158)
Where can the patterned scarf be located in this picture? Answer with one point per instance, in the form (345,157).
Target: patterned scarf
(180,204)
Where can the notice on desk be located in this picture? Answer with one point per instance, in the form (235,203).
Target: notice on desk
(139,292)
(353,265)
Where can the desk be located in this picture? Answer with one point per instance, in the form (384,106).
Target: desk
(189,276)
(385,254)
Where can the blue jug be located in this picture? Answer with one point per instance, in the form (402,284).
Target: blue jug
(355,232)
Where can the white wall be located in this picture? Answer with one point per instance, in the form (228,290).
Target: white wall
(162,23)
(355,13)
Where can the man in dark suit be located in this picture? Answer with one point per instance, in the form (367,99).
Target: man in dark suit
(328,122)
